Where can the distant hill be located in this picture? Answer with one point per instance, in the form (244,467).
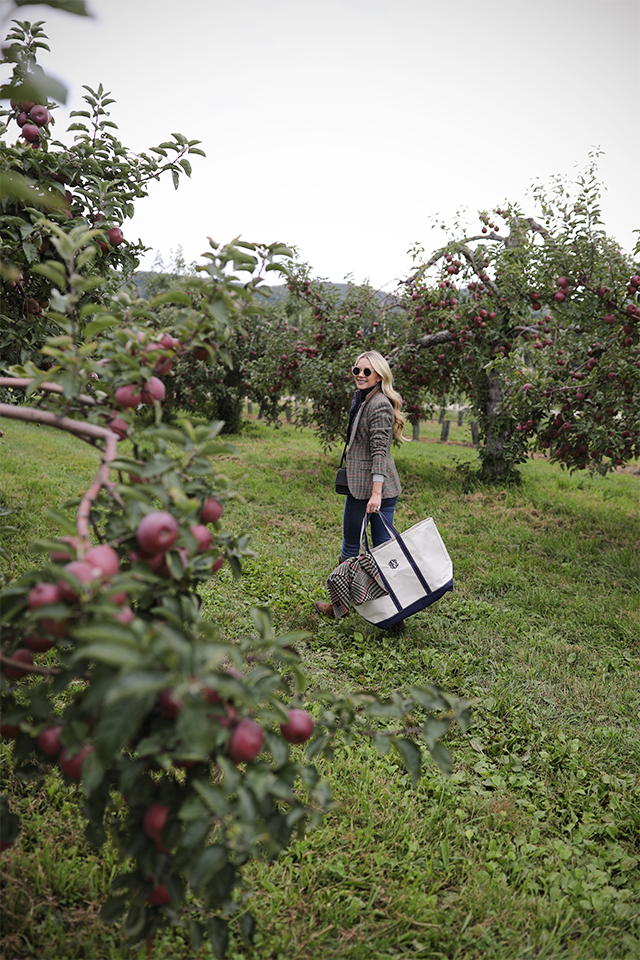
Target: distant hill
(278,292)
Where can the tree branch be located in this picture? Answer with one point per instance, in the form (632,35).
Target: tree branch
(429,340)
(28,667)
(24,382)
(86,431)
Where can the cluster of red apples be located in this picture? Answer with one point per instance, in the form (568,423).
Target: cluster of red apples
(31,118)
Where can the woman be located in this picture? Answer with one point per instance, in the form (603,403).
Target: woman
(375,419)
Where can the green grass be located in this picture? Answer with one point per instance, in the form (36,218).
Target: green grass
(532,848)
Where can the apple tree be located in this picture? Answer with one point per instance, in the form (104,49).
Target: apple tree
(92,182)
(550,300)
(575,390)
(309,347)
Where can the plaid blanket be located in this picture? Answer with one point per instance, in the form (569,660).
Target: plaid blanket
(354,581)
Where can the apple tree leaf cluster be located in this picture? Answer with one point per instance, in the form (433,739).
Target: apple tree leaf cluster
(93,181)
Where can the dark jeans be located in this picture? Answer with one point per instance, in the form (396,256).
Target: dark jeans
(354,511)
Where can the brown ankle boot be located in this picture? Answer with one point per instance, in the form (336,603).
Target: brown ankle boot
(324,609)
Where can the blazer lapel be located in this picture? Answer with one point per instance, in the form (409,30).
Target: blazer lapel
(359,413)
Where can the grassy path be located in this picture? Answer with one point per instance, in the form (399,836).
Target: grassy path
(532,848)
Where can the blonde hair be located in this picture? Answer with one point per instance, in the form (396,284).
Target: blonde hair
(382,368)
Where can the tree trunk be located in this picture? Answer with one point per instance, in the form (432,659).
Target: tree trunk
(496,463)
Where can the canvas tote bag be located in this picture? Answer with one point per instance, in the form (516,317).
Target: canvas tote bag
(415,568)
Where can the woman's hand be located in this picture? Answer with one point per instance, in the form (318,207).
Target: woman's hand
(375,500)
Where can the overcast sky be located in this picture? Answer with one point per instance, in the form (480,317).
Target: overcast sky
(343,126)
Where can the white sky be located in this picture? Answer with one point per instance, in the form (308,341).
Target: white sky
(342,126)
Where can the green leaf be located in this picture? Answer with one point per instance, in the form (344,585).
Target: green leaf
(193,809)
(135,921)
(213,797)
(135,682)
(382,743)
(77,7)
(433,730)
(211,861)
(67,525)
(247,925)
(112,909)
(196,932)
(97,326)
(36,89)
(175,177)
(428,697)
(218,937)
(186,166)
(52,271)
(171,296)
(411,757)
(118,723)
(111,653)
(442,758)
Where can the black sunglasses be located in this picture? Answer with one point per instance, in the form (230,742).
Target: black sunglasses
(365,371)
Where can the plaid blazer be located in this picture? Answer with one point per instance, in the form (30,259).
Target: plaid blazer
(369,450)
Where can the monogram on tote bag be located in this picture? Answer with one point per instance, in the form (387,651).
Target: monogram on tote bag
(414,567)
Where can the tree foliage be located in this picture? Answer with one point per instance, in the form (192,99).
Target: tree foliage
(532,322)
(92,182)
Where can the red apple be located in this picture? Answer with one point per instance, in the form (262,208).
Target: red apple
(153,822)
(157,532)
(559,296)
(37,643)
(72,766)
(22,118)
(153,390)
(104,558)
(42,594)
(203,537)
(211,511)
(83,572)
(170,704)
(115,235)
(49,740)
(39,115)
(128,396)
(119,426)
(126,615)
(30,132)
(22,656)
(246,741)
(298,728)
(159,896)
(8,731)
